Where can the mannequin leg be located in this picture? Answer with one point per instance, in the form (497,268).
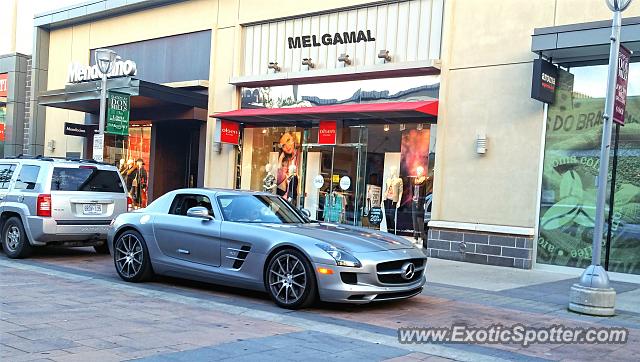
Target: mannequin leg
(420,222)
(415,218)
(389,212)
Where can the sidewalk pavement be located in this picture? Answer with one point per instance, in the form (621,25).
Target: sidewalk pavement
(541,284)
(69,305)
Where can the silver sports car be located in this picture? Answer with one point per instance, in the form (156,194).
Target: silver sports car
(258,241)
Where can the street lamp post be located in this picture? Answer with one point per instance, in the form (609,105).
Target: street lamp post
(593,294)
(105,58)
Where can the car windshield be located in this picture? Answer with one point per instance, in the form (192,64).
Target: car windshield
(258,209)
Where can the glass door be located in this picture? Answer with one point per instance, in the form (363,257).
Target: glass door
(334,181)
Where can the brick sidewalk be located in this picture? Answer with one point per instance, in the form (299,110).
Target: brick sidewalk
(92,315)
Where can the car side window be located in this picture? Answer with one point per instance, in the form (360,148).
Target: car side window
(6,172)
(27,178)
(183,202)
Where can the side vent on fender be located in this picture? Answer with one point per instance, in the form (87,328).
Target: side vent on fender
(238,255)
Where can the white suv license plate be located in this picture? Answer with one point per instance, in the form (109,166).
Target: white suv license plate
(92,209)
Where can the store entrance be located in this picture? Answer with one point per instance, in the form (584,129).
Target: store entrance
(334,182)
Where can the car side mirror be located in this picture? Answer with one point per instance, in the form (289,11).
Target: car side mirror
(306,213)
(199,212)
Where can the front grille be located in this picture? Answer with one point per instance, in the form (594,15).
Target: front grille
(398,295)
(392,272)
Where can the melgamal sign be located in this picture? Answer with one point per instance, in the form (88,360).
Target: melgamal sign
(82,73)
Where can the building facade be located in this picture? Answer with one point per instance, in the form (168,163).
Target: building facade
(378,114)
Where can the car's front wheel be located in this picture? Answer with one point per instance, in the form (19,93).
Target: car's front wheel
(131,257)
(14,239)
(290,280)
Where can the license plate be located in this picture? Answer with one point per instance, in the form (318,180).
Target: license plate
(92,209)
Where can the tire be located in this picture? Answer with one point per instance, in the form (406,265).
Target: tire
(290,280)
(14,240)
(131,257)
(101,249)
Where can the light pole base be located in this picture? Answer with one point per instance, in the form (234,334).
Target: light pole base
(592,301)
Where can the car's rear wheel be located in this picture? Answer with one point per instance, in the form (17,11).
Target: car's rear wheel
(290,280)
(14,239)
(131,257)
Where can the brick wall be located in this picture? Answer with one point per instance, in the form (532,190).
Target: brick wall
(480,247)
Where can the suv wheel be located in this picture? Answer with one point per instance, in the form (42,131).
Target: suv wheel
(14,239)
(131,257)
(101,249)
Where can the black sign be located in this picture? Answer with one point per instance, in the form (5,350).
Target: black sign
(82,130)
(543,83)
(347,37)
(375,216)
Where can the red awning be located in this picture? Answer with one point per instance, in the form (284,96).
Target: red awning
(400,111)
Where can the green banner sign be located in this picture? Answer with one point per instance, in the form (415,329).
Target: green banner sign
(119,105)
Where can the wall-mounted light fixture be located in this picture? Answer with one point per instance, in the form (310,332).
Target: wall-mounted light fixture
(345,59)
(402,127)
(386,128)
(264,131)
(384,54)
(274,66)
(308,63)
(481,144)
(419,126)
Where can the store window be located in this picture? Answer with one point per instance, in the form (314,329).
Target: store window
(131,154)
(378,174)
(574,131)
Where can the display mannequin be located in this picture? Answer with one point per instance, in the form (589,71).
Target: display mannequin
(130,175)
(292,186)
(269,180)
(419,192)
(140,189)
(122,167)
(392,198)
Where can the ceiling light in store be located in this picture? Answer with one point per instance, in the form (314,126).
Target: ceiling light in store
(345,59)
(419,126)
(384,54)
(402,127)
(386,128)
(274,66)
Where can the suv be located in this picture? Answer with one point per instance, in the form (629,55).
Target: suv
(54,201)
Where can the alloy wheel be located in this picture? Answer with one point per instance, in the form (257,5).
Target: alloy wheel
(129,255)
(13,238)
(287,279)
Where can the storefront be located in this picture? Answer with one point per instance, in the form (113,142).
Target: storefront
(571,155)
(341,127)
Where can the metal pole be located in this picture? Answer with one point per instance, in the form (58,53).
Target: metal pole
(595,276)
(103,103)
(612,197)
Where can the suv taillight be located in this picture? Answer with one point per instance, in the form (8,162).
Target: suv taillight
(43,207)
(129,203)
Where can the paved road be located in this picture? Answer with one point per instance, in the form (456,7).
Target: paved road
(69,305)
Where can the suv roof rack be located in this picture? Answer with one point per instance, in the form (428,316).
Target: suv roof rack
(53,158)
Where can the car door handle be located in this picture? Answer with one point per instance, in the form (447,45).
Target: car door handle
(183,251)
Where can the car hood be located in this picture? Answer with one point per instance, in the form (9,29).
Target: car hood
(350,238)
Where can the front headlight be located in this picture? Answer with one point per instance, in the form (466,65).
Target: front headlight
(341,257)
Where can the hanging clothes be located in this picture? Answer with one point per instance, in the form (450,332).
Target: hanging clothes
(333,208)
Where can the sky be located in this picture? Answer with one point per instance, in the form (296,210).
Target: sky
(24,29)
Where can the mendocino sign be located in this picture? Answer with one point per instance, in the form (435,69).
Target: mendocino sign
(82,73)
(347,37)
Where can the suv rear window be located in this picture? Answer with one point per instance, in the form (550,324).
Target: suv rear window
(85,179)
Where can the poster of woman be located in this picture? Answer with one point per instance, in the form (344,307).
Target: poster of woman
(288,155)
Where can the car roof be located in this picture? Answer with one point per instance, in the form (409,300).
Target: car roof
(223,191)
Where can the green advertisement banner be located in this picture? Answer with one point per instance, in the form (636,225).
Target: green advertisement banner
(118,108)
(567,214)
